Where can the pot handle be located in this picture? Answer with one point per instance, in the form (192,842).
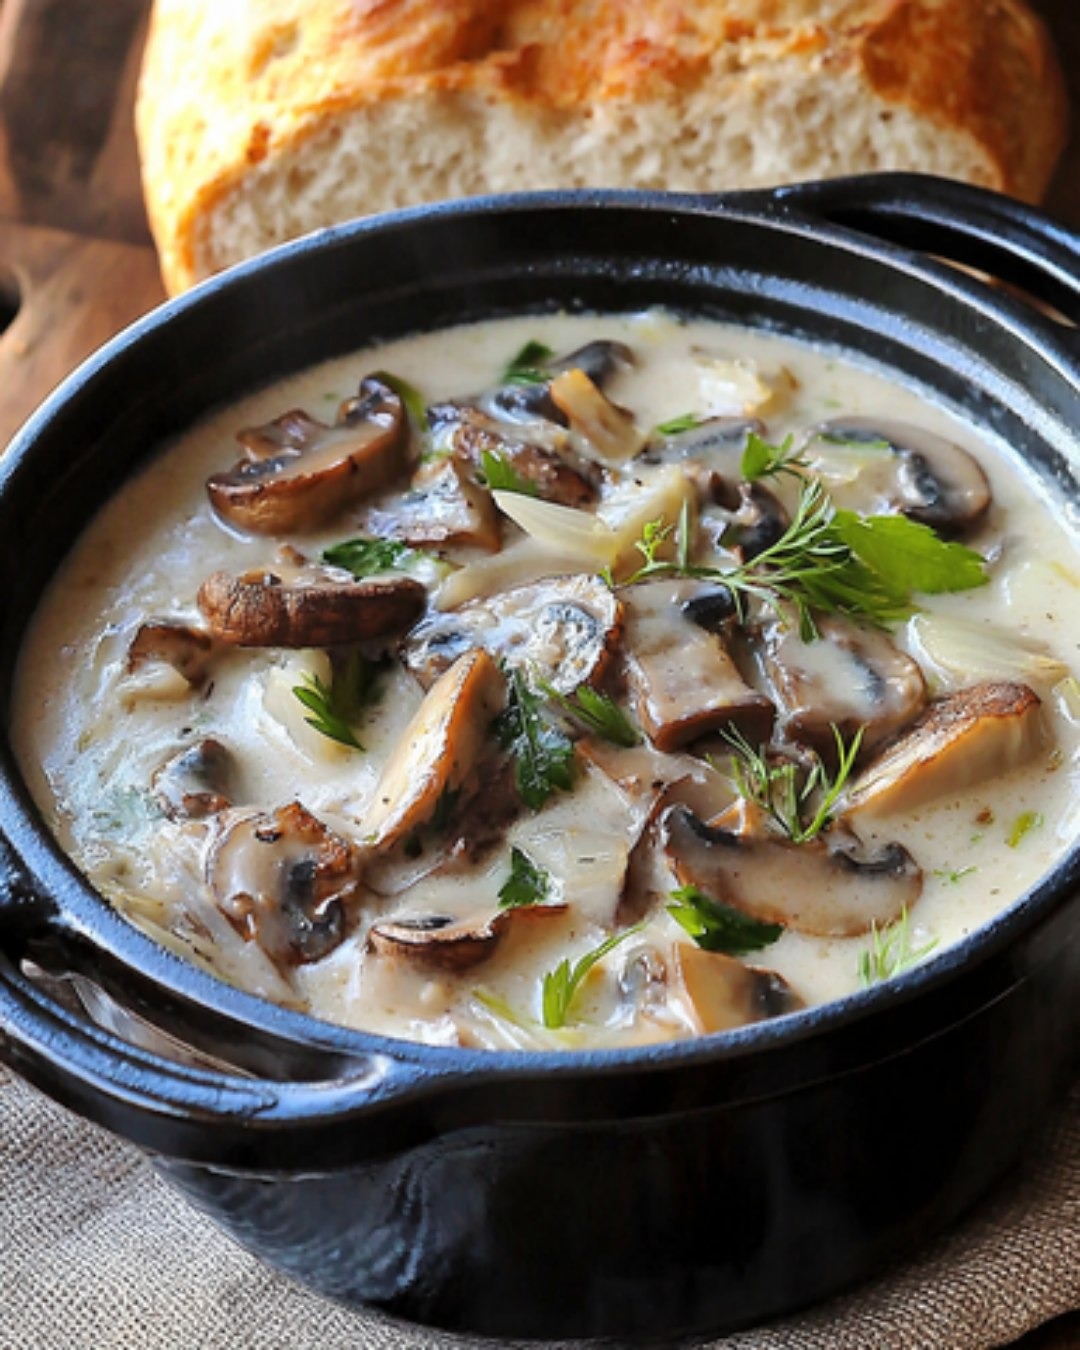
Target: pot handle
(164,1101)
(967,225)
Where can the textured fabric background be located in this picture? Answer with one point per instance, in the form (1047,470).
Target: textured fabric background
(97,1254)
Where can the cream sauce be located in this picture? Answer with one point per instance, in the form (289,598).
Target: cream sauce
(90,737)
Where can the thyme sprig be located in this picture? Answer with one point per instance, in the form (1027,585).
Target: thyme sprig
(801,810)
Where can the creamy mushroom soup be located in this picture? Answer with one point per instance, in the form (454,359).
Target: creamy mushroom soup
(564,681)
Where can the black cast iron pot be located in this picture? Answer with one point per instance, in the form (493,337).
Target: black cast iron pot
(645,1193)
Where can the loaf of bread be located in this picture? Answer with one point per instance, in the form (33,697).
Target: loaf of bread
(259,120)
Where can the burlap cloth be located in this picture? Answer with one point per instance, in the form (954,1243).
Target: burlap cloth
(96,1252)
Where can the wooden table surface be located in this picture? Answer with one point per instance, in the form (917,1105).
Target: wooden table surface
(76,262)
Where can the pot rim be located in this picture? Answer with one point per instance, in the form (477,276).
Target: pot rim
(80,913)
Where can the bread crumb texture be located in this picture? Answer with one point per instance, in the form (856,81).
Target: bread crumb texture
(259,120)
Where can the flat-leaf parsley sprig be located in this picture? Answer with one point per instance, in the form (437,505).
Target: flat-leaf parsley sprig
(543,755)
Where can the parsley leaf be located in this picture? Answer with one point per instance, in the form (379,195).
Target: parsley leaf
(544,756)
(527,884)
(598,713)
(717,927)
(409,395)
(562,984)
(335,707)
(890,951)
(762,460)
(675,426)
(524,368)
(369,557)
(501,476)
(909,554)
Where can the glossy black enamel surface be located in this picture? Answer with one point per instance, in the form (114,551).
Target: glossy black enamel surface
(654,1192)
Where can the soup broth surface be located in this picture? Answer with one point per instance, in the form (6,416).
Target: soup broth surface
(314,873)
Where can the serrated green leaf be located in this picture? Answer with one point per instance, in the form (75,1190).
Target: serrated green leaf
(910,555)
(369,557)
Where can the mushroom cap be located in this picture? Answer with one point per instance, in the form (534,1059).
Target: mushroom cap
(445,942)
(565,627)
(285,881)
(830,886)
(260,610)
(927,478)
(319,471)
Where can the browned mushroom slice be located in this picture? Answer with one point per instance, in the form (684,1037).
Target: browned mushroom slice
(442,942)
(444,505)
(286,882)
(195,782)
(683,679)
(848,678)
(261,610)
(968,737)
(609,429)
(926,477)
(564,627)
(831,886)
(438,749)
(554,478)
(293,431)
(308,483)
(721,993)
(188,650)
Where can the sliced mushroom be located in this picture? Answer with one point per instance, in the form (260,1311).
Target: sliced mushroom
(565,627)
(598,360)
(926,477)
(716,443)
(259,609)
(187,650)
(608,429)
(444,505)
(831,886)
(683,679)
(753,518)
(721,993)
(443,942)
(197,781)
(438,749)
(555,479)
(319,470)
(968,737)
(849,677)
(286,882)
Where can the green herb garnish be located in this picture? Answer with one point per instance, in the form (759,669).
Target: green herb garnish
(543,755)
(762,460)
(597,713)
(717,927)
(890,951)
(1022,827)
(336,707)
(951,876)
(369,557)
(526,885)
(909,553)
(526,366)
(855,442)
(409,395)
(501,476)
(832,562)
(562,984)
(774,785)
(675,426)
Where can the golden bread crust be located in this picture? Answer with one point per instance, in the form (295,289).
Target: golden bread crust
(229,86)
